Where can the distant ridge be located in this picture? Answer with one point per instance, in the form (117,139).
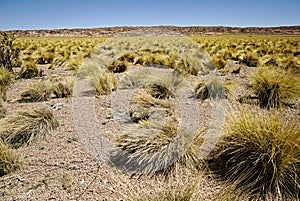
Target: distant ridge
(189,31)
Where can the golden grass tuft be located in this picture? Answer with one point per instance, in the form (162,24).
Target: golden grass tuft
(104,82)
(29,70)
(9,161)
(274,86)
(177,194)
(118,66)
(155,127)
(63,87)
(26,127)
(260,154)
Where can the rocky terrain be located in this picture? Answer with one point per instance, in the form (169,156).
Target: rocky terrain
(190,31)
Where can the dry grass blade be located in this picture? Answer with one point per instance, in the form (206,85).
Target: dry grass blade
(27,126)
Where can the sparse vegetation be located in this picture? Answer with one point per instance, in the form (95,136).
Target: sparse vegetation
(260,154)
(25,127)
(257,156)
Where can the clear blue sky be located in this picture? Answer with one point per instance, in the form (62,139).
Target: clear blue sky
(52,14)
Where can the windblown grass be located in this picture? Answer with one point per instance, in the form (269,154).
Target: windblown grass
(2,109)
(260,154)
(44,90)
(26,127)
(155,128)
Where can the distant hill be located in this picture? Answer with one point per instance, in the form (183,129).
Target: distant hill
(189,31)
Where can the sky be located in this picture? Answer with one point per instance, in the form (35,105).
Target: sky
(55,14)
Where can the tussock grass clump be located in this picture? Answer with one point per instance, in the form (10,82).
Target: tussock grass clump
(104,82)
(29,70)
(273,86)
(26,127)
(260,154)
(155,127)
(118,66)
(6,78)
(219,62)
(8,160)
(63,88)
(39,91)
(212,89)
(44,90)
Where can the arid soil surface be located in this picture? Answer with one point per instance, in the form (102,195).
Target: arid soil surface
(59,167)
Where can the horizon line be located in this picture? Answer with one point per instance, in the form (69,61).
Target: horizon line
(136,26)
